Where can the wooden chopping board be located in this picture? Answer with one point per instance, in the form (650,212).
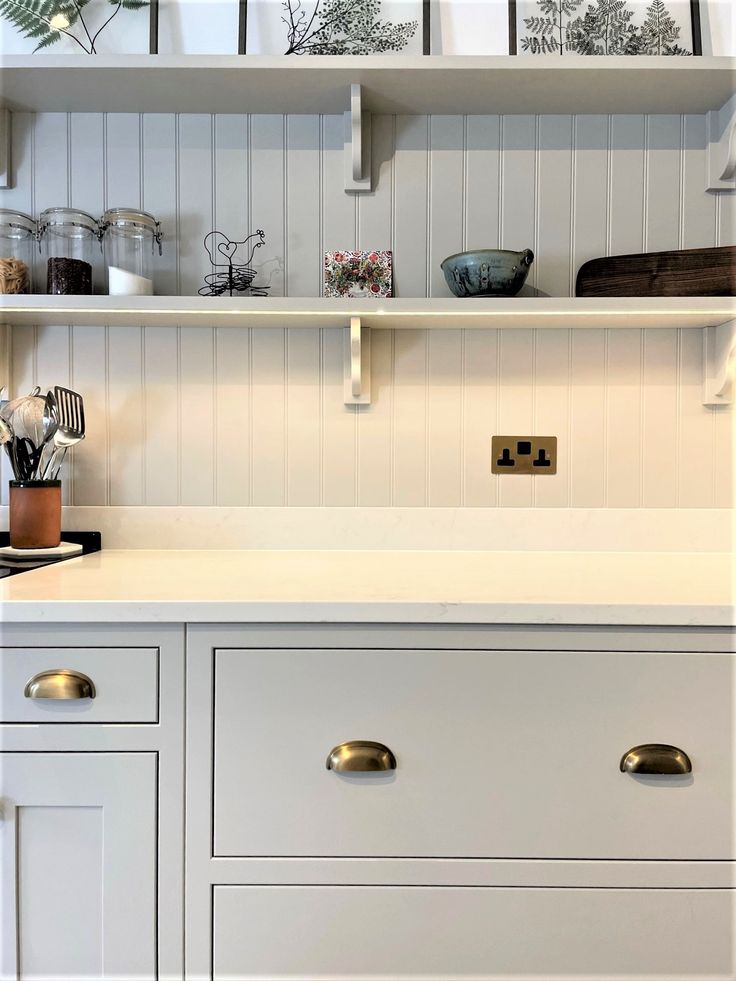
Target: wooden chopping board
(687,272)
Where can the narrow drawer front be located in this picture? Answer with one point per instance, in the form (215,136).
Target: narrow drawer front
(124,682)
(498,754)
(321,932)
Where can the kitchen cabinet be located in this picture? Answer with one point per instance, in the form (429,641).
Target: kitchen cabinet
(531,771)
(451,933)
(495,834)
(125,684)
(78,865)
(91,789)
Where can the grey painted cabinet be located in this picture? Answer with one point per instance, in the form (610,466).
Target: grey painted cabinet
(78,865)
(506,842)
(91,790)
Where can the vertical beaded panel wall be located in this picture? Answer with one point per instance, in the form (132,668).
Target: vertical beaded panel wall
(238,417)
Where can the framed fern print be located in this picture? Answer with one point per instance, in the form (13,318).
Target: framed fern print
(605,27)
(79,26)
(335,27)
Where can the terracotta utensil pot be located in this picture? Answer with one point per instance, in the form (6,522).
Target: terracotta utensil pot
(35,513)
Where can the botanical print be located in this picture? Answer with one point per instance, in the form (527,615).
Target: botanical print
(358,273)
(79,23)
(605,27)
(340,27)
(334,27)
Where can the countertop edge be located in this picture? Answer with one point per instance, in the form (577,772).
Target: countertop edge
(393,612)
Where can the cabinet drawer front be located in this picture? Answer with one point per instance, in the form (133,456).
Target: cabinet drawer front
(499,754)
(125,684)
(321,932)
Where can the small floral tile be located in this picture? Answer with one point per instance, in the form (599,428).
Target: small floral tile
(356,274)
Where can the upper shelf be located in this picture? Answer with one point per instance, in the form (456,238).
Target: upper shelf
(274,311)
(391,84)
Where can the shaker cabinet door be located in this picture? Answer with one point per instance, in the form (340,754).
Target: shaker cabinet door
(77,866)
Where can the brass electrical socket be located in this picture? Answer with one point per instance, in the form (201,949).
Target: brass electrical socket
(524,454)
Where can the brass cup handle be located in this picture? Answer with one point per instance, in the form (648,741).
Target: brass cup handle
(361,756)
(656,758)
(60,683)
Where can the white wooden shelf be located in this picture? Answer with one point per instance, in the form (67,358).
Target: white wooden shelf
(716,317)
(450,312)
(391,84)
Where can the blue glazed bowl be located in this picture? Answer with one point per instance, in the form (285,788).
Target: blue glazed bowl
(487,272)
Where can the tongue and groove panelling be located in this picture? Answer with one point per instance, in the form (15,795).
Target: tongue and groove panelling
(237,417)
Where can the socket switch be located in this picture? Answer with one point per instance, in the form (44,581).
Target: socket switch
(524,454)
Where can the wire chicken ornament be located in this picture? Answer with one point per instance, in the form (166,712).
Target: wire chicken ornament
(231,262)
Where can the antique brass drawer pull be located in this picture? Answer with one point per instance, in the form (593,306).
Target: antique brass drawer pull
(60,683)
(361,756)
(656,758)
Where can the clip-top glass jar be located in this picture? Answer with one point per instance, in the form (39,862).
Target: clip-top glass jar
(69,239)
(18,234)
(130,238)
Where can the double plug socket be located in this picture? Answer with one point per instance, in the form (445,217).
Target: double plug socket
(524,454)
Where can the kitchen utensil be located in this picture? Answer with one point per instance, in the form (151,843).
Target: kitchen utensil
(6,440)
(487,272)
(51,424)
(6,433)
(61,444)
(687,272)
(26,416)
(70,411)
(25,458)
(70,429)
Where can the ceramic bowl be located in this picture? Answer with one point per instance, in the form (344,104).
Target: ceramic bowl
(487,272)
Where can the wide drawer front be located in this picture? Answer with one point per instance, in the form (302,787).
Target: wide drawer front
(498,754)
(79,684)
(362,932)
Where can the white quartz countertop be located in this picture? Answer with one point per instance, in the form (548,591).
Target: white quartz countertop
(377,586)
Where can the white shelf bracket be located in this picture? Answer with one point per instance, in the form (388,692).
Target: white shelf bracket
(6,132)
(357,144)
(721,135)
(719,363)
(357,363)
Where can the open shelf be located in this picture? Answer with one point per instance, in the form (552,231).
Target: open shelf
(391,84)
(715,316)
(279,312)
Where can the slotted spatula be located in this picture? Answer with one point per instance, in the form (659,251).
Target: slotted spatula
(70,429)
(70,410)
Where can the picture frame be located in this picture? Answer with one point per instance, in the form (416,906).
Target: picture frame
(718,26)
(153,25)
(93,33)
(470,27)
(357,274)
(292,27)
(208,27)
(652,28)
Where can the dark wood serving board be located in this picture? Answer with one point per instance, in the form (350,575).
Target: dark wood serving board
(688,272)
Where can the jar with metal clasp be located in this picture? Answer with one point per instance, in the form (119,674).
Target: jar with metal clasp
(69,241)
(130,241)
(18,235)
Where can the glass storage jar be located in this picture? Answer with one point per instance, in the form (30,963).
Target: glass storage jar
(18,234)
(130,238)
(69,239)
